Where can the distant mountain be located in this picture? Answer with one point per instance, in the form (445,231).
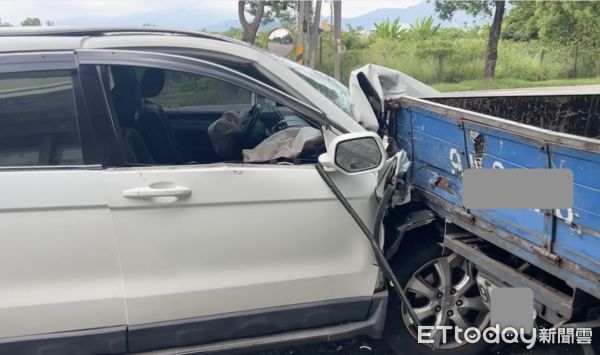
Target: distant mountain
(409,16)
(198,17)
(190,18)
(225,25)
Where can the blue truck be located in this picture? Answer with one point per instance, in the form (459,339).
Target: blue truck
(556,253)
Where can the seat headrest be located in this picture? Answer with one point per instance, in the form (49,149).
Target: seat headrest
(125,94)
(152,82)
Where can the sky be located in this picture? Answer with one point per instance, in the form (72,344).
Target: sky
(14,11)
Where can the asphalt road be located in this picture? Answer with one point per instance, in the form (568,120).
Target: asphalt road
(367,346)
(281,49)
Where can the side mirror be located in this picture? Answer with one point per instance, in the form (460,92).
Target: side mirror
(354,153)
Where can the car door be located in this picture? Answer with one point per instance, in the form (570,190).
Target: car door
(226,250)
(60,275)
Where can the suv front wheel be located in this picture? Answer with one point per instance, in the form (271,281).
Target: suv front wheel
(442,293)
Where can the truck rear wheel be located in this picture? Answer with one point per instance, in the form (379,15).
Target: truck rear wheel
(442,293)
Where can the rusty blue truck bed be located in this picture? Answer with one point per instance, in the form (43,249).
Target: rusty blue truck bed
(446,136)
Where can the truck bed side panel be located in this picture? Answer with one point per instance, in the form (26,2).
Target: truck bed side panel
(578,229)
(443,145)
(438,154)
(490,148)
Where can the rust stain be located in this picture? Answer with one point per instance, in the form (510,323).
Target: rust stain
(464,215)
(392,104)
(444,184)
(544,252)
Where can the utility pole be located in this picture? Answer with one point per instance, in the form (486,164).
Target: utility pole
(314,34)
(308,10)
(337,29)
(300,32)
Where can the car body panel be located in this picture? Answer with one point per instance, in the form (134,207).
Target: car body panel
(248,237)
(58,257)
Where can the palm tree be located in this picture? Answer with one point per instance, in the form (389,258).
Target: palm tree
(387,29)
(424,28)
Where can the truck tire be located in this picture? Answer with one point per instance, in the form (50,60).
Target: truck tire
(417,262)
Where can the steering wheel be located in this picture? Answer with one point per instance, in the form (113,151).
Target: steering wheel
(255,112)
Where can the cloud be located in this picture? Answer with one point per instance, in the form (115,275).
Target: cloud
(14,11)
(155,11)
(353,8)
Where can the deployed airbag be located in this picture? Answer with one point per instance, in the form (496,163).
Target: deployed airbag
(288,143)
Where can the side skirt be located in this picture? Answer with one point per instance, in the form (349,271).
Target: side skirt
(372,327)
(237,325)
(111,340)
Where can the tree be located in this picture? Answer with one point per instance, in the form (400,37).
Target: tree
(387,29)
(576,22)
(446,10)
(424,29)
(250,28)
(31,21)
(570,23)
(282,11)
(520,24)
(353,38)
(4,24)
(560,22)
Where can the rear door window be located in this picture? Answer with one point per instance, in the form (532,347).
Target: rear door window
(38,120)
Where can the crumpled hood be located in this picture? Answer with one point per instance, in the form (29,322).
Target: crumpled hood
(387,84)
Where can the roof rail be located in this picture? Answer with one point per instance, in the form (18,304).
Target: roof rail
(100,31)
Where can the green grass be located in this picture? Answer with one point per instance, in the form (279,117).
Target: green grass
(507,83)
(456,64)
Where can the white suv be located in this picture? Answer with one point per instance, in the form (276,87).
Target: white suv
(160,190)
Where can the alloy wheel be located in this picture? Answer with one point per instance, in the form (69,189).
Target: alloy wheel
(443,293)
